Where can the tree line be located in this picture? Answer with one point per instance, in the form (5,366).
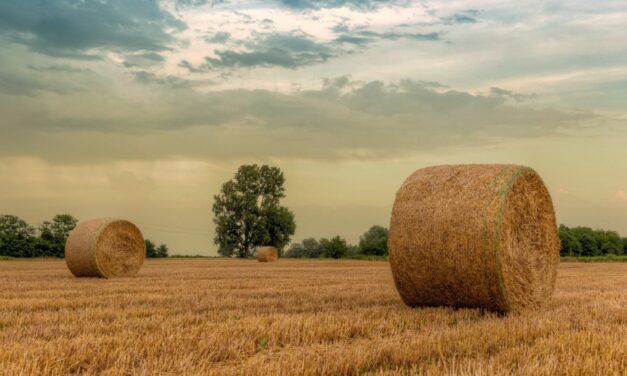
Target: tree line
(584,241)
(247,214)
(373,242)
(574,242)
(20,239)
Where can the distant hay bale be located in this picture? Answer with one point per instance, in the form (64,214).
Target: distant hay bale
(474,236)
(105,248)
(267,254)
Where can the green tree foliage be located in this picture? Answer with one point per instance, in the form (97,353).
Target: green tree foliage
(162,251)
(334,248)
(609,242)
(15,226)
(17,237)
(311,248)
(53,234)
(374,241)
(353,250)
(575,242)
(152,251)
(247,212)
(584,241)
(295,251)
(308,248)
(569,244)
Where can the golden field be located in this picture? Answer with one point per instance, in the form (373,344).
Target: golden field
(241,317)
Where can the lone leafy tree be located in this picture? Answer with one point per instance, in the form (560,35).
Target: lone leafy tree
(247,212)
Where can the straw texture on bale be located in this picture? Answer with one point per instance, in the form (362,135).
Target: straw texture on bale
(105,248)
(474,236)
(267,254)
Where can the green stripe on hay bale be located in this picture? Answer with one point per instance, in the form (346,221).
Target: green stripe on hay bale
(105,248)
(267,254)
(474,236)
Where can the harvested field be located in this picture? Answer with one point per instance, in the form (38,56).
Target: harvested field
(238,317)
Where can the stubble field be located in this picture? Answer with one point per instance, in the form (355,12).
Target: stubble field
(240,317)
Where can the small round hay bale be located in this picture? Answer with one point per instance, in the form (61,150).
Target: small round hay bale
(474,236)
(105,248)
(267,254)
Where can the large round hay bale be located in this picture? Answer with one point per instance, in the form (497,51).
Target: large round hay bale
(474,236)
(105,248)
(267,254)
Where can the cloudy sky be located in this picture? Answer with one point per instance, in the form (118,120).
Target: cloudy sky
(142,109)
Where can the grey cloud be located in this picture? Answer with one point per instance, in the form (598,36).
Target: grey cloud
(168,80)
(298,4)
(342,118)
(340,28)
(190,67)
(287,50)
(196,3)
(23,73)
(31,80)
(317,4)
(142,59)
(466,17)
(13,84)
(72,28)
(354,39)
(153,56)
(294,50)
(58,68)
(502,93)
(414,36)
(362,37)
(462,18)
(218,38)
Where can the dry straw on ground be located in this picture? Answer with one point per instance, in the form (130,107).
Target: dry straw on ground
(105,248)
(228,317)
(267,254)
(474,236)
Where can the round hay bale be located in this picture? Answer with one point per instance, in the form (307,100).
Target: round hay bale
(474,236)
(267,254)
(105,248)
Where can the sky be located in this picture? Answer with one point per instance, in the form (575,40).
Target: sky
(142,109)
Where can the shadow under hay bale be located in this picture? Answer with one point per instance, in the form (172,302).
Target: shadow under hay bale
(267,254)
(474,236)
(105,248)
